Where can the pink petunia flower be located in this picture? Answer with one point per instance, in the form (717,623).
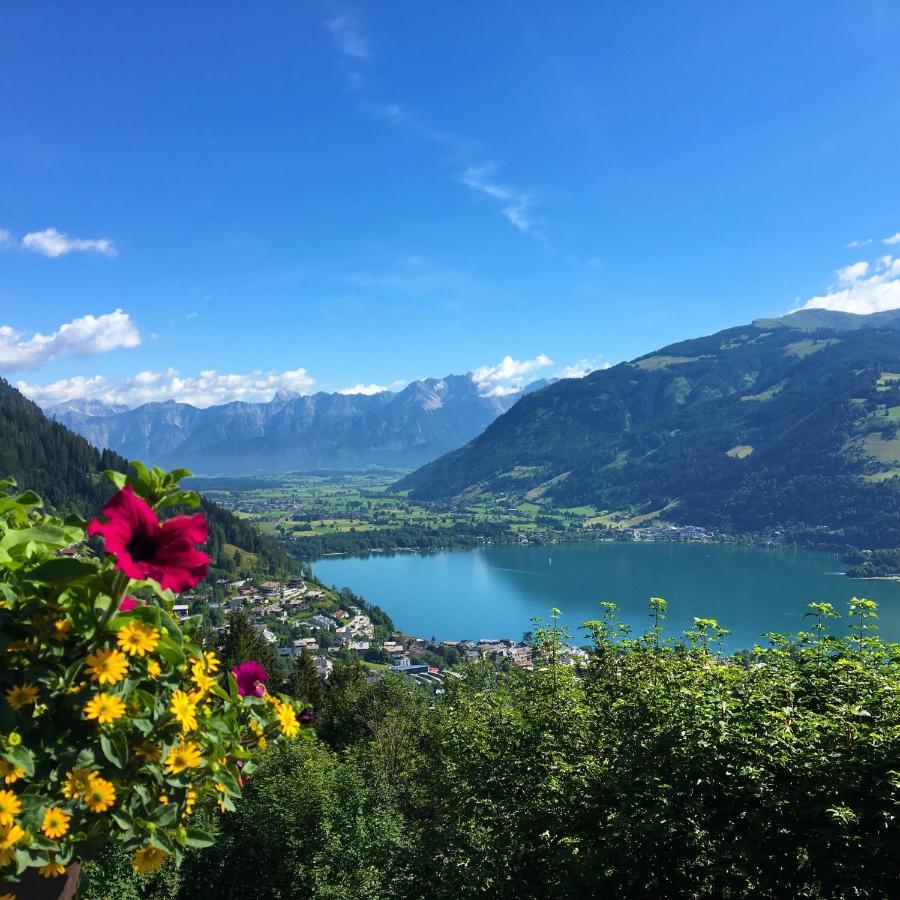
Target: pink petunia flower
(144,547)
(127,604)
(250,677)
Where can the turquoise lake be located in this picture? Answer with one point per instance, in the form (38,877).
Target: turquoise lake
(493,592)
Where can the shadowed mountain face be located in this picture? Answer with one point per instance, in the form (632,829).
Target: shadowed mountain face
(405,429)
(784,421)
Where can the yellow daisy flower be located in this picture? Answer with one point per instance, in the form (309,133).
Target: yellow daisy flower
(184,756)
(154,669)
(182,706)
(148,859)
(198,675)
(190,799)
(100,795)
(287,719)
(10,835)
(137,638)
(108,666)
(21,695)
(61,629)
(148,750)
(163,799)
(105,708)
(77,783)
(56,822)
(10,773)
(53,869)
(10,807)
(212,661)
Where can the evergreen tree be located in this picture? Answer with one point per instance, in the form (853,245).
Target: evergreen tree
(304,682)
(241,641)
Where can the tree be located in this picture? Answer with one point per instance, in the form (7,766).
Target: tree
(241,642)
(304,682)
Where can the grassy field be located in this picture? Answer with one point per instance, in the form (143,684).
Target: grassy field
(304,505)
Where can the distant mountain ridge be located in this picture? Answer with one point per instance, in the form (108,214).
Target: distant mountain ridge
(347,431)
(788,422)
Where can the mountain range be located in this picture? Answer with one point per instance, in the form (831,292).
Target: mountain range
(784,423)
(337,431)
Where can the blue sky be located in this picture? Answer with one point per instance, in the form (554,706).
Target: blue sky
(378,192)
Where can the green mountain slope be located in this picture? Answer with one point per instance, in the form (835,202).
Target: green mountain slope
(787,422)
(64,469)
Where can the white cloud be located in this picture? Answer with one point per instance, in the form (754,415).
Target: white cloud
(206,389)
(893,239)
(515,203)
(86,336)
(6,239)
(853,245)
(348,36)
(857,294)
(503,390)
(853,272)
(193,315)
(581,368)
(508,376)
(367,389)
(51,242)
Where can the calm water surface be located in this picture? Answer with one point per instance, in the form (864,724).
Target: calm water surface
(493,592)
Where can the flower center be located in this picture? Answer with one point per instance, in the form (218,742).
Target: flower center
(141,547)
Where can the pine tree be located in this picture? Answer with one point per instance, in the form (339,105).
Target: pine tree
(304,682)
(242,641)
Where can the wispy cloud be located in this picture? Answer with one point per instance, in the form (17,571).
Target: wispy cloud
(854,245)
(350,39)
(893,239)
(85,336)
(515,204)
(206,389)
(858,291)
(347,33)
(51,242)
(6,239)
(507,376)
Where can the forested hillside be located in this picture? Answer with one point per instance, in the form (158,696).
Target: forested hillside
(65,469)
(785,423)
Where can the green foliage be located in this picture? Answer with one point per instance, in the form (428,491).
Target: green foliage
(662,769)
(312,826)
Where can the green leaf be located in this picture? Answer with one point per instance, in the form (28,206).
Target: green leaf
(61,569)
(52,535)
(197,838)
(180,498)
(160,839)
(21,757)
(119,479)
(164,814)
(122,819)
(115,748)
(167,649)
